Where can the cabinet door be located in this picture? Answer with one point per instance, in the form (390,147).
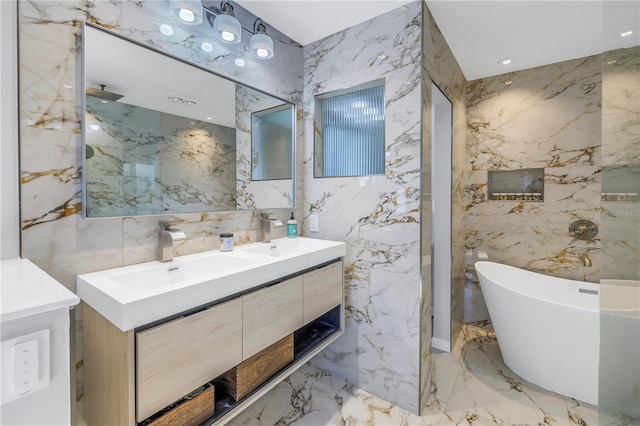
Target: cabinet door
(176,358)
(322,291)
(270,314)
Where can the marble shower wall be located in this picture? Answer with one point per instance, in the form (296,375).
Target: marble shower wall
(54,235)
(440,66)
(150,162)
(377,216)
(547,117)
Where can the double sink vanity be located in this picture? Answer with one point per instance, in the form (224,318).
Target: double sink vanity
(158,331)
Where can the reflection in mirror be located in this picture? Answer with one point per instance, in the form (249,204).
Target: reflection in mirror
(164,137)
(271,143)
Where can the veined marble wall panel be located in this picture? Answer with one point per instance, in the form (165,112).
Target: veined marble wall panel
(255,194)
(621,107)
(548,117)
(198,166)
(54,235)
(440,66)
(377,216)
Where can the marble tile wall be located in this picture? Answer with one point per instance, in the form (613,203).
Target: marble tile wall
(255,194)
(547,117)
(440,66)
(377,216)
(150,162)
(54,234)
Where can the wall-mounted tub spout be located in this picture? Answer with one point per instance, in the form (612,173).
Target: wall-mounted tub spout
(586,260)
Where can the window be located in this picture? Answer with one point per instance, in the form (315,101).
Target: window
(271,143)
(349,139)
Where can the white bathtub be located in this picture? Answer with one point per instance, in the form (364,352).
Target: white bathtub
(548,328)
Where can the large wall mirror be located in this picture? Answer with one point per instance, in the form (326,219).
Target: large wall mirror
(162,136)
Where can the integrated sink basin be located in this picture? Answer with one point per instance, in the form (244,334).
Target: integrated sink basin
(136,295)
(281,247)
(178,271)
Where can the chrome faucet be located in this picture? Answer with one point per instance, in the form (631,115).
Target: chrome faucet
(586,260)
(265,226)
(166,236)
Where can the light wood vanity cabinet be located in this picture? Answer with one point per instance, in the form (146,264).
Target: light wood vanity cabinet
(177,357)
(270,314)
(163,363)
(322,290)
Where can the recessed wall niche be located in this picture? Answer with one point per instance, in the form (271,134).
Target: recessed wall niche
(516,185)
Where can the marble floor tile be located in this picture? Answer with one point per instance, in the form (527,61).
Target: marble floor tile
(471,385)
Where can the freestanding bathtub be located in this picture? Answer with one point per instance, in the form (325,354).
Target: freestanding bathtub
(548,328)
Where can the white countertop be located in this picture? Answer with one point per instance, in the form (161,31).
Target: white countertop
(136,295)
(27,290)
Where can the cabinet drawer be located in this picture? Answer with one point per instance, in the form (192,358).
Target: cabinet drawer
(322,291)
(175,358)
(270,314)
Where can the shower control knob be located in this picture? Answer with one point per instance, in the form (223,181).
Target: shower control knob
(583,230)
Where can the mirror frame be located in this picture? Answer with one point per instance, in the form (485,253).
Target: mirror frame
(81,105)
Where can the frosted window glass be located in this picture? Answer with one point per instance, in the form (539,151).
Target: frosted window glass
(351,133)
(271,144)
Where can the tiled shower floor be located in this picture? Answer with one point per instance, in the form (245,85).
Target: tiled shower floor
(472,387)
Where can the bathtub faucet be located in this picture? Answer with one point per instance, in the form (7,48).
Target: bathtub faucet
(586,260)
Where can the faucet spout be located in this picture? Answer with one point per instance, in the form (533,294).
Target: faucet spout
(265,226)
(166,236)
(586,260)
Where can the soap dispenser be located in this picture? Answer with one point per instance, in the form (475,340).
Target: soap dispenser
(292,227)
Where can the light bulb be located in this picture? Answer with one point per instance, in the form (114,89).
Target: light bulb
(263,53)
(206,47)
(166,30)
(186,15)
(227,36)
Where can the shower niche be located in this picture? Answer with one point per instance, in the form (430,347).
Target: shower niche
(516,185)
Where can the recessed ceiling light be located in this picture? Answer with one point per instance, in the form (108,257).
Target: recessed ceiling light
(611,62)
(240,61)
(508,82)
(505,61)
(166,30)
(189,103)
(626,33)
(104,101)
(68,86)
(209,118)
(174,99)
(206,47)
(382,56)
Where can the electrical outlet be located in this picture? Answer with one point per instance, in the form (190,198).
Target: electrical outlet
(313,223)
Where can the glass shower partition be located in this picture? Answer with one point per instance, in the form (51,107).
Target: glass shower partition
(619,375)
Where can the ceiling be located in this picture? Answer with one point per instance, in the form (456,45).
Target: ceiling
(480,33)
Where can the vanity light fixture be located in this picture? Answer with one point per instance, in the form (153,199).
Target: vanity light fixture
(505,61)
(226,28)
(260,44)
(188,12)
